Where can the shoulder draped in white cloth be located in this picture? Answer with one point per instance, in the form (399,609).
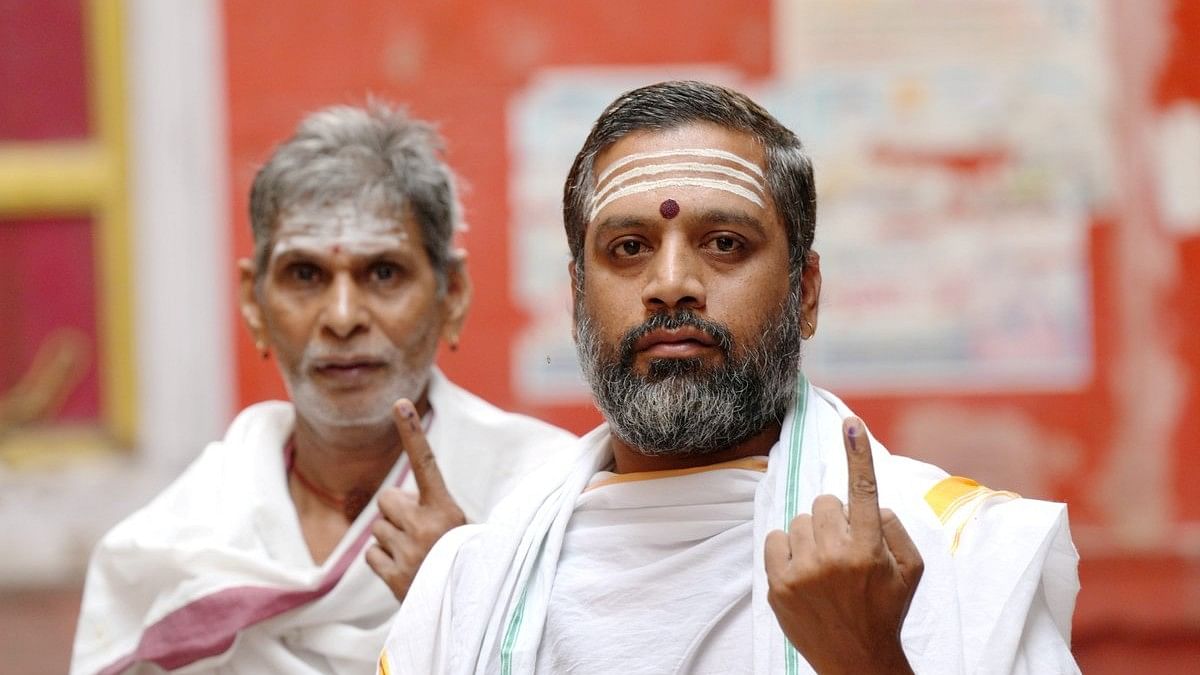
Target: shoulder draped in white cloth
(214,575)
(996,597)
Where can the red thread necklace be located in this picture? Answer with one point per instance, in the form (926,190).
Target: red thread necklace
(351,505)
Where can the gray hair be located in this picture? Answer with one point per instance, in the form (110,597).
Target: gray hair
(669,105)
(377,156)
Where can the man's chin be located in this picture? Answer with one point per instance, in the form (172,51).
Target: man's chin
(366,406)
(344,412)
(663,369)
(345,419)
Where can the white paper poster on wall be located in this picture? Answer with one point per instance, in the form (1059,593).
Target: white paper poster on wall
(961,152)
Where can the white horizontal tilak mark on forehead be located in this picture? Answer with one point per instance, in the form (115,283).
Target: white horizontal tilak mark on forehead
(683,168)
(682,152)
(353,243)
(648,185)
(705,169)
(344,227)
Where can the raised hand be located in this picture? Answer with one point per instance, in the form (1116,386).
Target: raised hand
(841,580)
(410,525)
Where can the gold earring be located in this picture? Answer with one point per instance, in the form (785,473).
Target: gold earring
(263,351)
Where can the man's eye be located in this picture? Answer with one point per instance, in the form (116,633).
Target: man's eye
(726,244)
(384,272)
(305,272)
(629,248)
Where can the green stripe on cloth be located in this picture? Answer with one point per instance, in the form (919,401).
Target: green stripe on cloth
(510,635)
(791,658)
(795,448)
(791,502)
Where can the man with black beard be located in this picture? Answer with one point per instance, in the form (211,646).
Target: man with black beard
(690,214)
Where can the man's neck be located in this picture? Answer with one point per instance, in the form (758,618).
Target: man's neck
(343,461)
(629,460)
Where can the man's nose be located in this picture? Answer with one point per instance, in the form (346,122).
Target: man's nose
(346,312)
(674,277)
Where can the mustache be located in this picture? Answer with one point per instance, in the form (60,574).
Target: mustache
(721,336)
(317,355)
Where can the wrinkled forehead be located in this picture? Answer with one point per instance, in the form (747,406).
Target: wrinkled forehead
(693,166)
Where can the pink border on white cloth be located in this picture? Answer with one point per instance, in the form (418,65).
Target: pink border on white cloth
(208,626)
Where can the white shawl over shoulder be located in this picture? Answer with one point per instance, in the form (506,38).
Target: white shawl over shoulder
(214,575)
(996,597)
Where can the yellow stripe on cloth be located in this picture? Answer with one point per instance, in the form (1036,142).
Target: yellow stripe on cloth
(383,664)
(951,494)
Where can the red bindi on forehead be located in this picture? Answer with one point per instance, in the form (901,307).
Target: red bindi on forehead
(337,249)
(668,209)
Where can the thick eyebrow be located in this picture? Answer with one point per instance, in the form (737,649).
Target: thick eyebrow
(709,217)
(622,223)
(724,217)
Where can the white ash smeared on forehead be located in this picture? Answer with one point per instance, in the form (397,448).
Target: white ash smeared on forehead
(686,167)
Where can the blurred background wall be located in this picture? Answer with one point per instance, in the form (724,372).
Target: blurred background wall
(1010,232)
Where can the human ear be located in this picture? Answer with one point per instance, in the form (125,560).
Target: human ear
(572,272)
(252,312)
(810,287)
(457,299)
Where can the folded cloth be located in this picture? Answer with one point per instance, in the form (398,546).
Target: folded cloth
(214,574)
(996,597)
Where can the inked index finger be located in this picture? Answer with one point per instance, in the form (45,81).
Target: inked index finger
(430,485)
(863,496)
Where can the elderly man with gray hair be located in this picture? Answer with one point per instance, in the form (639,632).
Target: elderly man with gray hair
(287,546)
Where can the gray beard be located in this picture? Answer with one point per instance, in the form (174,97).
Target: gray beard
(681,407)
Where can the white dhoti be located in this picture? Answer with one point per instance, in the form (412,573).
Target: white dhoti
(214,575)
(996,597)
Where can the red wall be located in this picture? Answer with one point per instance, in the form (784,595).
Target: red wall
(459,63)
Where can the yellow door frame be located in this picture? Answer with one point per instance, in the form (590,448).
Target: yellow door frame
(59,178)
